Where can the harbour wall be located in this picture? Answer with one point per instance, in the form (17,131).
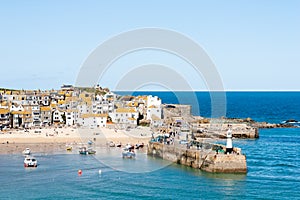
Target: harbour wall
(203,159)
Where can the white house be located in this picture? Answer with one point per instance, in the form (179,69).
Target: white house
(36,114)
(153,111)
(91,120)
(125,116)
(57,116)
(155,101)
(71,117)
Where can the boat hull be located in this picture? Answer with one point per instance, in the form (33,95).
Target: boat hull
(30,162)
(128,154)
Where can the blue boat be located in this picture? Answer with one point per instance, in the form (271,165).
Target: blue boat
(128,153)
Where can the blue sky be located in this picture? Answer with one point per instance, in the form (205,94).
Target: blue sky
(255,45)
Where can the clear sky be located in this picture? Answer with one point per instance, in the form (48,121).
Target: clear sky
(255,45)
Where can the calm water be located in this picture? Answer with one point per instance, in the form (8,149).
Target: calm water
(261,106)
(273,168)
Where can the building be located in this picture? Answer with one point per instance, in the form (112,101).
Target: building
(4,117)
(71,117)
(153,112)
(91,120)
(58,116)
(125,117)
(45,115)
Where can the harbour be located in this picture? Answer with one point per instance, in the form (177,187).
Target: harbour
(271,175)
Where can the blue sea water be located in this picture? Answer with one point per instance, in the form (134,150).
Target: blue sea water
(273,165)
(273,107)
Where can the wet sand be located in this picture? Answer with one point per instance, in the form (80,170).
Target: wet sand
(54,140)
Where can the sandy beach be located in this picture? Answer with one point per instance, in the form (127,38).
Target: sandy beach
(53,140)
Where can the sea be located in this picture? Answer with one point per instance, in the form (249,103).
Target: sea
(273,161)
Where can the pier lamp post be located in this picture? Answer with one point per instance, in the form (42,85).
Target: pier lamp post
(229,147)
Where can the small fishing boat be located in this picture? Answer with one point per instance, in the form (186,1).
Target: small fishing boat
(85,151)
(90,142)
(129,146)
(119,145)
(69,148)
(30,161)
(128,153)
(111,144)
(27,151)
(137,146)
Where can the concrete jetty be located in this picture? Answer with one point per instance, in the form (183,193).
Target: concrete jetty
(203,158)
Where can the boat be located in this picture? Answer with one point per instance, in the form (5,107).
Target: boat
(112,144)
(27,151)
(90,142)
(291,122)
(137,146)
(30,161)
(129,146)
(119,145)
(85,151)
(128,153)
(69,148)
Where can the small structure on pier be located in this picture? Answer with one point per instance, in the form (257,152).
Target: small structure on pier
(229,146)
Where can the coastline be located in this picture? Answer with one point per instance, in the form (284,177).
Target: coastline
(54,140)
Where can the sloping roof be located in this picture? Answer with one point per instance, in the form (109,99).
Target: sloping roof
(61,102)
(125,110)
(4,103)
(71,98)
(142,97)
(46,108)
(133,104)
(152,106)
(71,110)
(21,112)
(88,115)
(4,111)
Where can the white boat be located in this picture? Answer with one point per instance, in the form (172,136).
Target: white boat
(27,151)
(85,151)
(111,144)
(30,161)
(128,153)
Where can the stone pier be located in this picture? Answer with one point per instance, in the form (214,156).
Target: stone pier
(203,159)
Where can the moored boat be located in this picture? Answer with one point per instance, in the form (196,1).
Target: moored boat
(137,146)
(27,151)
(128,153)
(85,151)
(119,144)
(111,144)
(30,161)
(69,148)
